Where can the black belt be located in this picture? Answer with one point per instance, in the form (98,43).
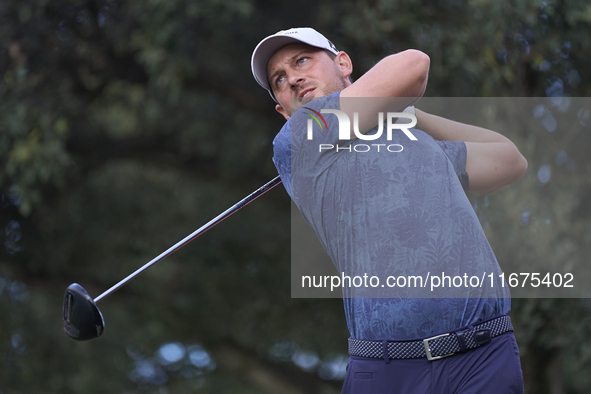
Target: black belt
(436,347)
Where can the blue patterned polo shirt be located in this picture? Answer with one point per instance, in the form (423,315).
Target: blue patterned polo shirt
(384,211)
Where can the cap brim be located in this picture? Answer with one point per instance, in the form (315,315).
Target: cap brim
(263,53)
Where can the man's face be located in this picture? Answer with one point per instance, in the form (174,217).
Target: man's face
(300,73)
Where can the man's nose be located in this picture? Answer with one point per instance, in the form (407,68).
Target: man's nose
(295,78)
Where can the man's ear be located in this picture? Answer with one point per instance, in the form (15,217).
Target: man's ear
(282,111)
(344,63)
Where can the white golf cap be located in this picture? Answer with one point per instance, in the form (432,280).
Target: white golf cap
(268,46)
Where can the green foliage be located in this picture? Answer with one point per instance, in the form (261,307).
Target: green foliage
(124,125)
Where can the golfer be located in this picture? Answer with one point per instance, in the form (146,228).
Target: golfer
(388,200)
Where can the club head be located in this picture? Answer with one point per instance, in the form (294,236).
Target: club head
(81,317)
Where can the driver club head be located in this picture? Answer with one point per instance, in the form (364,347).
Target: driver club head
(81,317)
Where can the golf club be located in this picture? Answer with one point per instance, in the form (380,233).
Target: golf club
(81,317)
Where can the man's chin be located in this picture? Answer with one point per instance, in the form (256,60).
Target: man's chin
(298,102)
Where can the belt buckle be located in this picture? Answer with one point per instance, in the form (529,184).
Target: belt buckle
(428,350)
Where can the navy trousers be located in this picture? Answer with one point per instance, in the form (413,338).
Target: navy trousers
(493,368)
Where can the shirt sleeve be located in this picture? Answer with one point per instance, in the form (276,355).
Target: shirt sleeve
(456,153)
(282,155)
(315,136)
(294,148)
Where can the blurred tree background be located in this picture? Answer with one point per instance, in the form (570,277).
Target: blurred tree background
(126,124)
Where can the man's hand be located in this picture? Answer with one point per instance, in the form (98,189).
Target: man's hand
(492,161)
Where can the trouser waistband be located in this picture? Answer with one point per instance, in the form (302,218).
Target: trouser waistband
(436,347)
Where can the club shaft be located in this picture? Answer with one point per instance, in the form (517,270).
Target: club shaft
(240,204)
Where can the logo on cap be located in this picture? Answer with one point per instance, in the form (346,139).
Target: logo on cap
(284,32)
(332,46)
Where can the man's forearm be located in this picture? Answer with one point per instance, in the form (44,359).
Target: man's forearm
(396,82)
(443,129)
(402,75)
(492,160)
